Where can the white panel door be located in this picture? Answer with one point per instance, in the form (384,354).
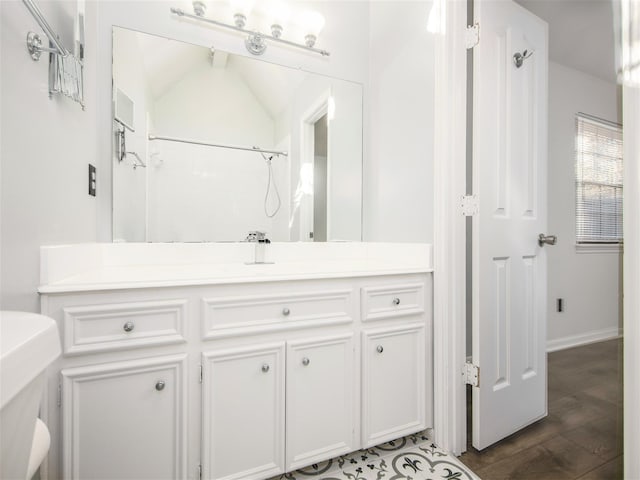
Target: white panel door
(320,399)
(243,413)
(509,267)
(393,383)
(125,420)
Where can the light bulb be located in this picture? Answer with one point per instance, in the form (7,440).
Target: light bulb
(199,7)
(312,24)
(241,10)
(279,13)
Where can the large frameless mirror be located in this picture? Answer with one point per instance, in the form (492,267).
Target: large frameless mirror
(210,145)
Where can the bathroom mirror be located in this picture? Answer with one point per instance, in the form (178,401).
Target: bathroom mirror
(223,144)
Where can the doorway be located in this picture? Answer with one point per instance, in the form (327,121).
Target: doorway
(584,289)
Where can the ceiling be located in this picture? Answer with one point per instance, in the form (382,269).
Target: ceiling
(581,34)
(166,62)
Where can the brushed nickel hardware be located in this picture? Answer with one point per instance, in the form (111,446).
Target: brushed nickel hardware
(379,349)
(471,374)
(128,327)
(305,361)
(255,42)
(160,385)
(286,311)
(152,137)
(265,368)
(547,239)
(519,58)
(260,239)
(396,301)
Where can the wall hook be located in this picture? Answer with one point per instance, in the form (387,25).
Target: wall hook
(519,58)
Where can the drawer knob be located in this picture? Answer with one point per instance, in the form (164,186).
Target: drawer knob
(286,311)
(305,361)
(265,368)
(379,349)
(396,301)
(160,385)
(128,327)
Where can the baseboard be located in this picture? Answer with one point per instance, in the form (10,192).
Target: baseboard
(583,339)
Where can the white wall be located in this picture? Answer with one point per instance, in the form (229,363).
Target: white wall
(590,284)
(399,166)
(45,148)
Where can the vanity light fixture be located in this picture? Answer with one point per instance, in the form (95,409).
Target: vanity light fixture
(312,24)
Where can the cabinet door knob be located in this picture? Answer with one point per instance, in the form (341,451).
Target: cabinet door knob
(379,349)
(305,361)
(286,311)
(396,301)
(160,385)
(129,326)
(265,368)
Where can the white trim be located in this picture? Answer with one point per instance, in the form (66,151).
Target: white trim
(631,280)
(583,339)
(599,248)
(449,326)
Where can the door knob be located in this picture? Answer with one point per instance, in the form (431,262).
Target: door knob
(547,239)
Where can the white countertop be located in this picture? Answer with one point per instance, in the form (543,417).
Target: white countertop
(92,267)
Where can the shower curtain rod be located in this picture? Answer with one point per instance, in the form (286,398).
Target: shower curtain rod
(219,145)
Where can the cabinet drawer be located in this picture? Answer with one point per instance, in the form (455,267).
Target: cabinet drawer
(99,328)
(232,316)
(390,301)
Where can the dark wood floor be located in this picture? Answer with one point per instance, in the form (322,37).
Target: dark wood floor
(581,438)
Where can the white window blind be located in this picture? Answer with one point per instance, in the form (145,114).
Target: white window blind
(598,181)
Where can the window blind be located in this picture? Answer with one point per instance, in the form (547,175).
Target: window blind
(598,181)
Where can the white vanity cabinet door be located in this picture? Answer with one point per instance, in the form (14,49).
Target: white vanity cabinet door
(393,383)
(320,399)
(125,420)
(243,412)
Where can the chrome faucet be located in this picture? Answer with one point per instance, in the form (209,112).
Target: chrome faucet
(261,240)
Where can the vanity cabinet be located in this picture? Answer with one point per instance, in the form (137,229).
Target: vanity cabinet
(243,412)
(236,380)
(244,398)
(320,399)
(393,382)
(125,420)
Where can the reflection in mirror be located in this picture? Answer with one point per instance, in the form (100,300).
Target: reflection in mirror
(231,144)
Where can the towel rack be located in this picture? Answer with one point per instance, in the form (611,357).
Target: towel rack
(34,42)
(65,69)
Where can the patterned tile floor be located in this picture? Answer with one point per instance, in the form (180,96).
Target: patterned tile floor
(414,457)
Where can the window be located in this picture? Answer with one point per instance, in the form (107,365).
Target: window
(598,181)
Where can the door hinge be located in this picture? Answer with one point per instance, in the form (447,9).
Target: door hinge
(471,374)
(469,205)
(59,395)
(472,36)
(200,471)
(201,374)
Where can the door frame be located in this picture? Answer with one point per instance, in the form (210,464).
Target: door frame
(631,279)
(311,115)
(450,167)
(449,327)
